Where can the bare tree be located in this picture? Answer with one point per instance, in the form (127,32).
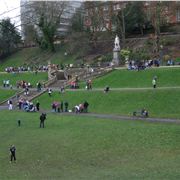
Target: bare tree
(48,15)
(97,18)
(158,17)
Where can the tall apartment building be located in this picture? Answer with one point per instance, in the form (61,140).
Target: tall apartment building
(28,16)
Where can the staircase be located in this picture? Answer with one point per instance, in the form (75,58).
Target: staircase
(83,75)
(33,93)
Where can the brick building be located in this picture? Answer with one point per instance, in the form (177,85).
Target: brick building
(169,12)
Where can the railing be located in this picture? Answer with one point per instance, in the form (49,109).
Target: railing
(12,97)
(49,82)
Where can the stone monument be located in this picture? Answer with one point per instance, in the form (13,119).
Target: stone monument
(116,52)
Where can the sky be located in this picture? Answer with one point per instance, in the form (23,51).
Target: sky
(7,5)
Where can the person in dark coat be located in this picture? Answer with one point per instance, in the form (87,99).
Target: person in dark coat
(86,104)
(66,106)
(42,119)
(12,153)
(37,105)
(106,90)
(62,109)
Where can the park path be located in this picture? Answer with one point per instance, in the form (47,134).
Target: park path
(111,116)
(117,117)
(101,89)
(120,117)
(125,89)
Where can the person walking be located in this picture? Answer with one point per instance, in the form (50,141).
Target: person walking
(42,119)
(10,105)
(154,83)
(12,153)
(4,83)
(39,86)
(49,92)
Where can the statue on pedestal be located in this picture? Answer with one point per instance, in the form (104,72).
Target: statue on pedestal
(116,51)
(116,43)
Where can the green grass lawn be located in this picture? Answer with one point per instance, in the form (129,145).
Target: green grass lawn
(5,94)
(124,78)
(159,103)
(27,76)
(87,148)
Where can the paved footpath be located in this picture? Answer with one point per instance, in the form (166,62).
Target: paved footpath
(119,117)
(101,89)
(110,116)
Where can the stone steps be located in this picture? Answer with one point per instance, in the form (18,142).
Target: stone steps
(32,94)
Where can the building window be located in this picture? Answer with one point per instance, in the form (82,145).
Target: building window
(178,15)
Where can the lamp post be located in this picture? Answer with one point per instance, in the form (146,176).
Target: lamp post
(161,54)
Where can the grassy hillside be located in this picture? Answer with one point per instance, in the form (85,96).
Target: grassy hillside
(166,77)
(20,58)
(159,103)
(86,148)
(27,76)
(35,56)
(59,57)
(5,94)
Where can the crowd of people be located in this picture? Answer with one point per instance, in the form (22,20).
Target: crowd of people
(16,69)
(133,65)
(23,84)
(26,68)
(27,106)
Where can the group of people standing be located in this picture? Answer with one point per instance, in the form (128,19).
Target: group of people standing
(60,106)
(83,107)
(28,106)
